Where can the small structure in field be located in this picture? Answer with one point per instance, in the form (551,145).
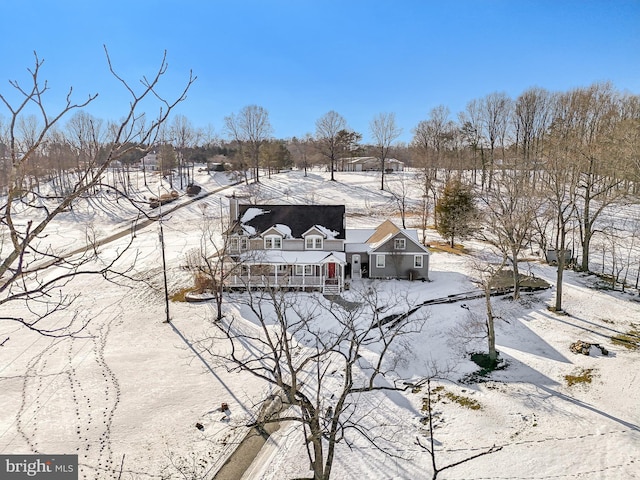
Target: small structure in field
(155,202)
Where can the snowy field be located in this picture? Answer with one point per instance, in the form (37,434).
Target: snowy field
(126,394)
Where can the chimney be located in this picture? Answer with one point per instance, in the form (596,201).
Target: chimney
(234,208)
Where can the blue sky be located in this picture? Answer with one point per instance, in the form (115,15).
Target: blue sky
(301,58)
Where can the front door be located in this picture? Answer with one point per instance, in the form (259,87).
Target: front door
(355,266)
(331,270)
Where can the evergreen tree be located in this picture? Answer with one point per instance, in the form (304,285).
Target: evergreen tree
(456,211)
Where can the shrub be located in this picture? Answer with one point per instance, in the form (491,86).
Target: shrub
(203,283)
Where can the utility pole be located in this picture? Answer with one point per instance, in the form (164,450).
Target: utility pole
(164,263)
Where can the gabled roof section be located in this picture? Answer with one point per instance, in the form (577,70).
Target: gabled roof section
(298,218)
(385,230)
(322,231)
(406,234)
(283,230)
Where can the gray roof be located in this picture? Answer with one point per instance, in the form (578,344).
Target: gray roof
(299,218)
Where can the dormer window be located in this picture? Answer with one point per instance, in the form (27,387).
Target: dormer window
(238,244)
(273,242)
(313,242)
(400,244)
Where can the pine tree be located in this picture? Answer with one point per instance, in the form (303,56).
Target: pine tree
(456,212)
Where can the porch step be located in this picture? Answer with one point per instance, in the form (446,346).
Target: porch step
(331,290)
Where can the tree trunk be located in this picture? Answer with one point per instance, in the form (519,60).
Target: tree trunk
(560,255)
(586,246)
(491,333)
(318,463)
(516,273)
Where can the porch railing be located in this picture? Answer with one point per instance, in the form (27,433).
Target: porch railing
(243,281)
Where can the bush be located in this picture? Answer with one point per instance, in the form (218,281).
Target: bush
(203,283)
(486,367)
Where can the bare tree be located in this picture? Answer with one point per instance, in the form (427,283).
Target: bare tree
(560,183)
(471,131)
(250,126)
(86,136)
(313,353)
(399,190)
(532,114)
(594,111)
(328,128)
(183,136)
(300,151)
(31,271)
(487,270)
(433,137)
(384,131)
(211,263)
(495,112)
(510,212)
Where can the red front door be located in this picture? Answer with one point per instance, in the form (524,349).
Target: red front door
(331,270)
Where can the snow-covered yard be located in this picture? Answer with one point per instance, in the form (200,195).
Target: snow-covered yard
(128,392)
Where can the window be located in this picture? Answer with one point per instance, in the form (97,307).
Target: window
(417,261)
(305,270)
(272,242)
(379,261)
(399,244)
(238,243)
(313,243)
(282,269)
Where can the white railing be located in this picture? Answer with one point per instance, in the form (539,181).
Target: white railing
(236,281)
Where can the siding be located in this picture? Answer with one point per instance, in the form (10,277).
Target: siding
(399,266)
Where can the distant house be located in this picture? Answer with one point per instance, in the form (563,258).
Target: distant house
(371,164)
(307,247)
(150,162)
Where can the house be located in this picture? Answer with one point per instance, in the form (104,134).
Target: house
(307,247)
(371,164)
(387,252)
(150,162)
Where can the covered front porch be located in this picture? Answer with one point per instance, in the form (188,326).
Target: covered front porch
(326,274)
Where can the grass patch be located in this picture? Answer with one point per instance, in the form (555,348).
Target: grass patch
(440,394)
(446,247)
(180,295)
(585,376)
(466,402)
(629,340)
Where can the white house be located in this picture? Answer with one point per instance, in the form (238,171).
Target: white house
(371,164)
(150,162)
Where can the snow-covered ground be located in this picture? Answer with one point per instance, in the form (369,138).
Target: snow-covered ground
(127,394)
